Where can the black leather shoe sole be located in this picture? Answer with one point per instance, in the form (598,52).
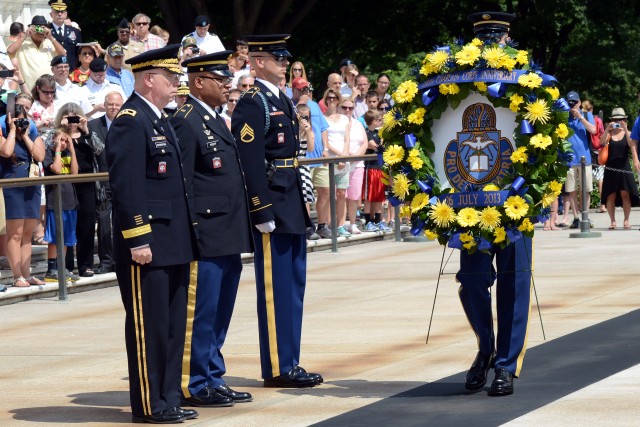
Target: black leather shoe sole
(202,404)
(157,420)
(503,391)
(286,384)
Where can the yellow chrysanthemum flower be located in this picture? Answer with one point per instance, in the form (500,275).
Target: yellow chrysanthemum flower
(427,69)
(520,155)
(468,55)
(489,218)
(476,42)
(555,187)
(515,207)
(540,141)
(468,241)
(507,62)
(400,186)
(415,160)
(499,235)
(431,235)
(389,120)
(493,56)
(448,88)
(547,199)
(481,86)
(526,225)
(442,214)
(405,211)
(537,111)
(417,117)
(405,92)
(468,217)
(393,154)
(491,187)
(522,57)
(516,99)
(554,92)
(562,131)
(419,201)
(530,80)
(438,59)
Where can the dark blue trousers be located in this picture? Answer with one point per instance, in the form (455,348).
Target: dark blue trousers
(281,274)
(212,295)
(513,296)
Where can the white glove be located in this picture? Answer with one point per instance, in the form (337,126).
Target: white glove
(266,227)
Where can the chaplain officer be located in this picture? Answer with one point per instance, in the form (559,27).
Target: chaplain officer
(153,237)
(477,275)
(265,125)
(221,216)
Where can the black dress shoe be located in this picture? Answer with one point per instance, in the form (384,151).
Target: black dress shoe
(318,377)
(295,378)
(209,398)
(477,375)
(502,384)
(236,396)
(168,416)
(189,414)
(103,270)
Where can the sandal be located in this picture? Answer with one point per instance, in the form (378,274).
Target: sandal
(34,281)
(38,241)
(21,282)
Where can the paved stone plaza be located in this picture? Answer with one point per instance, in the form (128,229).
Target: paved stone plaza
(366,319)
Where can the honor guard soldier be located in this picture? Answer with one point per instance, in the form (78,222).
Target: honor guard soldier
(265,126)
(221,217)
(513,277)
(153,237)
(66,35)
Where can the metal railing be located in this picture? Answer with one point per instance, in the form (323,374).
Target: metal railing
(104,176)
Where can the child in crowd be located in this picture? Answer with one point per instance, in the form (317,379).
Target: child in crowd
(373,187)
(60,159)
(306,144)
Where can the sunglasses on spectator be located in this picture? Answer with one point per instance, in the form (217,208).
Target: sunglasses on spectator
(296,69)
(233,100)
(87,54)
(332,98)
(47,92)
(383,108)
(305,118)
(141,24)
(346,108)
(124,31)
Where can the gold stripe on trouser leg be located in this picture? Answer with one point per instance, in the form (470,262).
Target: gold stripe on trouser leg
(270,309)
(138,318)
(191,310)
(526,334)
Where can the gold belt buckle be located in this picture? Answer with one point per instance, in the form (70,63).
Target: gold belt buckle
(295,162)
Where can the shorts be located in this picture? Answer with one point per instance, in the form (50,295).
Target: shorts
(320,178)
(374,188)
(598,173)
(356,177)
(69,221)
(574,178)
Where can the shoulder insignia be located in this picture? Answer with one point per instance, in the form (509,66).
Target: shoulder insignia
(185,110)
(252,91)
(127,112)
(246,133)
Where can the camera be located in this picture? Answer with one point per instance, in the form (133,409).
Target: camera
(6,73)
(73,119)
(38,28)
(572,103)
(21,123)
(616,126)
(305,118)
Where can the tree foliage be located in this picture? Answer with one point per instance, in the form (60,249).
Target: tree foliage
(591,46)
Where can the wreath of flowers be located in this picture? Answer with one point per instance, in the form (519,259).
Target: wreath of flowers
(539,161)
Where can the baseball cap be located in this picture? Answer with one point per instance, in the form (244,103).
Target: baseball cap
(299,83)
(573,96)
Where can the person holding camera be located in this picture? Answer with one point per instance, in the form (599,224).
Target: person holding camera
(583,126)
(618,185)
(20,150)
(35,49)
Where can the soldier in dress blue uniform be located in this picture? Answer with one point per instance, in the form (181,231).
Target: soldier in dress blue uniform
(221,217)
(477,274)
(153,235)
(66,35)
(266,127)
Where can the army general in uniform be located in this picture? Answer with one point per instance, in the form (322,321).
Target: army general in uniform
(266,127)
(221,217)
(153,237)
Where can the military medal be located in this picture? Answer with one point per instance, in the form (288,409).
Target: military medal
(217,163)
(162,167)
(281,138)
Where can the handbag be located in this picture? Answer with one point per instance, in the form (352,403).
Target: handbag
(603,155)
(34,170)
